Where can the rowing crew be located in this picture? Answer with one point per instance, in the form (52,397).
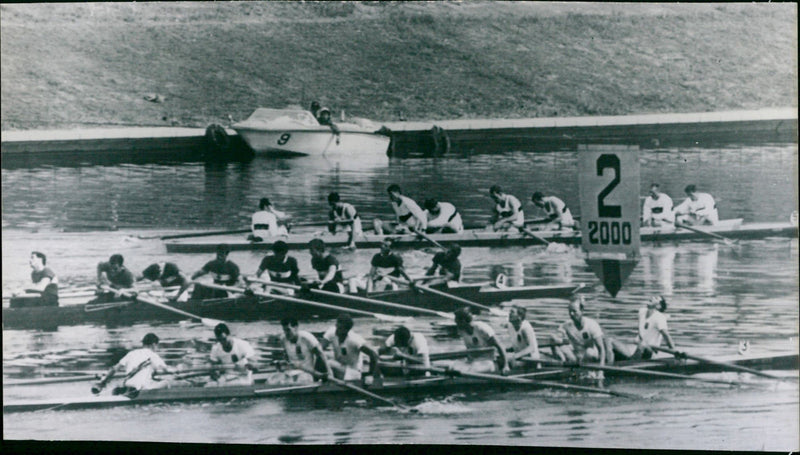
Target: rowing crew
(697,209)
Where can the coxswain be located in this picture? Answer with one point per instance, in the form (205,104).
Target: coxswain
(327,268)
(558,215)
(315,107)
(477,335)
(409,216)
(347,347)
(442,217)
(653,331)
(657,208)
(507,210)
(280,268)
(139,365)
(231,359)
(409,344)
(697,208)
(385,263)
(223,271)
(584,337)
(113,274)
(324,118)
(523,336)
(446,267)
(304,354)
(344,214)
(267,222)
(167,274)
(43,290)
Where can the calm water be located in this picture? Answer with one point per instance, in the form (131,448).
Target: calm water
(719,295)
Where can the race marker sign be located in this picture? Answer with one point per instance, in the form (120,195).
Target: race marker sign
(609,196)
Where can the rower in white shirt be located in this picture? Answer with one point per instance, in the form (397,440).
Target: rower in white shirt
(477,335)
(657,208)
(348,347)
(306,360)
(410,344)
(653,331)
(522,335)
(698,208)
(139,365)
(442,217)
(558,215)
(409,216)
(508,212)
(267,222)
(234,355)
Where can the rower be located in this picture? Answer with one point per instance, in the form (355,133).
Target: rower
(477,335)
(327,267)
(139,365)
(43,290)
(223,271)
(113,274)
(507,211)
(348,346)
(697,208)
(446,267)
(304,354)
(524,338)
(653,331)
(558,215)
(280,267)
(267,221)
(442,217)
(411,344)
(585,338)
(167,274)
(384,263)
(234,355)
(409,216)
(344,212)
(657,208)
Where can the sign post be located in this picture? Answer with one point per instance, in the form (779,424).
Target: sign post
(609,197)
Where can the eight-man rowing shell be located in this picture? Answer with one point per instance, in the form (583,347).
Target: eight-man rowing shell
(733,228)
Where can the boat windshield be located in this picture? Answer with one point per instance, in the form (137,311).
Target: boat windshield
(264,115)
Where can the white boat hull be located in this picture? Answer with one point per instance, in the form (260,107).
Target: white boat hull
(321,143)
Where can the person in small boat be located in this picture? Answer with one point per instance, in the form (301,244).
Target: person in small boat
(307,361)
(167,274)
(657,208)
(477,335)
(223,272)
(446,267)
(442,217)
(43,289)
(409,344)
(115,275)
(280,267)
(267,222)
(385,263)
(344,215)
(315,107)
(327,267)
(653,331)
(585,341)
(409,216)
(324,118)
(698,208)
(232,359)
(558,215)
(139,366)
(524,343)
(508,211)
(347,347)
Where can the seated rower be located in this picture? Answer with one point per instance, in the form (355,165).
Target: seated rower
(442,217)
(344,215)
(267,222)
(280,267)
(223,271)
(409,344)
(508,212)
(653,331)
(304,354)
(347,347)
(585,339)
(477,335)
(113,274)
(697,208)
(384,264)
(409,216)
(233,356)
(558,215)
(524,338)
(43,290)
(167,274)
(327,268)
(139,365)
(446,267)
(657,208)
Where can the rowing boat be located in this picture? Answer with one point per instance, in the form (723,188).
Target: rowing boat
(408,387)
(733,228)
(127,312)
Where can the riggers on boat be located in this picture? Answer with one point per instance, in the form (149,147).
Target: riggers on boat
(127,312)
(733,228)
(419,386)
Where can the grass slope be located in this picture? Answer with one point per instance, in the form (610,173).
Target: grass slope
(92,64)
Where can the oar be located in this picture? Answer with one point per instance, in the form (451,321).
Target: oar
(196,234)
(206,321)
(358,389)
(730,366)
(285,298)
(356,298)
(43,381)
(454,298)
(710,234)
(551,246)
(626,370)
(320,223)
(428,238)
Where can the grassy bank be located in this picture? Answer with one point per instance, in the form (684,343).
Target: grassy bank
(93,64)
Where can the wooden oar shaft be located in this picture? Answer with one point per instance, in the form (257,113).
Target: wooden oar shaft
(204,234)
(700,231)
(149,301)
(730,366)
(43,381)
(358,389)
(453,297)
(532,235)
(429,238)
(627,370)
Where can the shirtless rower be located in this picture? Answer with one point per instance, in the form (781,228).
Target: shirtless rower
(446,267)
(558,215)
(476,335)
(139,365)
(586,342)
(523,336)
(347,347)
(409,216)
(344,212)
(43,290)
(507,211)
(408,343)
(384,263)
(657,208)
(267,222)
(280,267)
(698,208)
(223,271)
(234,355)
(113,274)
(442,217)
(304,354)
(327,268)
(653,331)
(167,274)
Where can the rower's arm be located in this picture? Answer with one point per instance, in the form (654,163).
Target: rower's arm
(601,349)
(668,338)
(500,350)
(402,271)
(432,269)
(374,368)
(329,275)
(317,351)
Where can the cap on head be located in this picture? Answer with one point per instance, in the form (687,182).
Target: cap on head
(150,339)
(220,329)
(463,315)
(333,198)
(495,189)
(116,259)
(537,196)
(280,247)
(316,244)
(430,204)
(344,321)
(394,188)
(264,203)
(223,248)
(690,189)
(289,322)
(402,336)
(40,256)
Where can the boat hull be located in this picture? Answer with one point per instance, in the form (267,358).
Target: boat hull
(318,143)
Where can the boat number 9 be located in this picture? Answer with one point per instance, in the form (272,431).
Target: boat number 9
(609,232)
(284,138)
